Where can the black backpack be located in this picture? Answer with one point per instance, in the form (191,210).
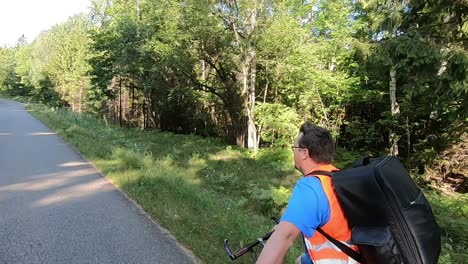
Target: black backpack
(390,219)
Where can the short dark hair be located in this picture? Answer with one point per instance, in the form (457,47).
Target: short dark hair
(318,141)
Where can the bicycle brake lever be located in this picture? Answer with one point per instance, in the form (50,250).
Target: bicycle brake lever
(228,250)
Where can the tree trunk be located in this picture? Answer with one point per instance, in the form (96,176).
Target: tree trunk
(120,102)
(250,69)
(138,9)
(80,109)
(266,85)
(239,133)
(252,141)
(237,127)
(203,66)
(395,110)
(133,96)
(144,110)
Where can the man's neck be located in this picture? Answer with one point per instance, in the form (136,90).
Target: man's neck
(312,167)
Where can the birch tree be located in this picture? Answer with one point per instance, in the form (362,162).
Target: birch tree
(244,20)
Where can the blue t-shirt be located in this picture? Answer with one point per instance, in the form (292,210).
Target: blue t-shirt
(308,207)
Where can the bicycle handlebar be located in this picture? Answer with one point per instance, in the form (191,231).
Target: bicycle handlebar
(241,251)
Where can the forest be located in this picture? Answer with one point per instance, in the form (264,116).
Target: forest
(383,76)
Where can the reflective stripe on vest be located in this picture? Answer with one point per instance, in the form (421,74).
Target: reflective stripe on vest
(327,244)
(329,252)
(320,249)
(335,261)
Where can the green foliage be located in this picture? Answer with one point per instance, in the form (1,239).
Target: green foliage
(268,201)
(23,62)
(53,68)
(277,123)
(66,64)
(323,61)
(7,68)
(280,196)
(44,93)
(182,67)
(362,136)
(276,159)
(11,82)
(348,158)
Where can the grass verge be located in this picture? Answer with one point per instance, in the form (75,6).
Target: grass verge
(451,212)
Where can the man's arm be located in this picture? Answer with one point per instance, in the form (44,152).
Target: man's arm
(278,244)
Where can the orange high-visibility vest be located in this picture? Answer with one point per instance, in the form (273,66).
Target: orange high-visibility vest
(320,249)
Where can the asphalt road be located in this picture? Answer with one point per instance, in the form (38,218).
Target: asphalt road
(56,208)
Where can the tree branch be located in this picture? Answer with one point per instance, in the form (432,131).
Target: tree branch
(203,87)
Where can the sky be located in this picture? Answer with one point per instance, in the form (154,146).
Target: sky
(30,17)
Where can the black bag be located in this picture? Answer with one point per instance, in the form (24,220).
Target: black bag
(390,219)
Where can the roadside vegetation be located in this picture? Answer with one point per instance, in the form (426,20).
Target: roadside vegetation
(203,190)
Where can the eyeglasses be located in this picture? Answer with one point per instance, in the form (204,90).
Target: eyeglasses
(294,147)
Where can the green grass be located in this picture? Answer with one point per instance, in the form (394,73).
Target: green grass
(204,191)
(451,213)
(201,190)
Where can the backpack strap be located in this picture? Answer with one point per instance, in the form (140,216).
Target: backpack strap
(347,250)
(319,172)
(344,248)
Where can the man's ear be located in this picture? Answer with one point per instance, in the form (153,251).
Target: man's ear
(305,153)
